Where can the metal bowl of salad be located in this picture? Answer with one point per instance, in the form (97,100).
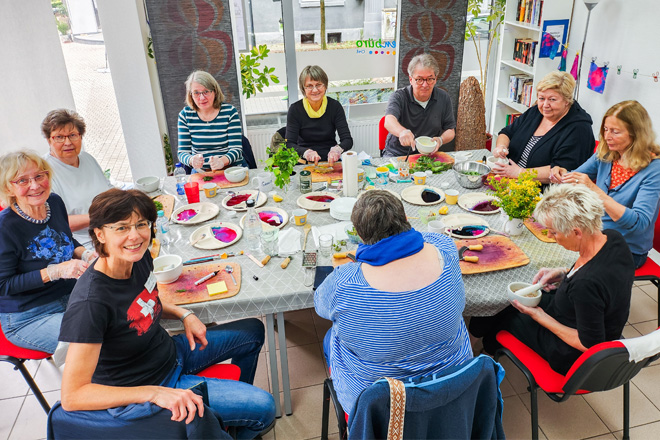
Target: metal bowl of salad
(471,174)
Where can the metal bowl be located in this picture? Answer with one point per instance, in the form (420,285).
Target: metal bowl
(468,181)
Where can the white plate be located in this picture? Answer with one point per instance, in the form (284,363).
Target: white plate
(312,205)
(281,212)
(205,211)
(395,194)
(456,221)
(210,241)
(341,209)
(261,200)
(413,195)
(467,201)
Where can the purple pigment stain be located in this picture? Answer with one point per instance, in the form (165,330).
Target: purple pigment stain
(186,215)
(321,199)
(223,234)
(485,206)
(271,217)
(238,199)
(489,254)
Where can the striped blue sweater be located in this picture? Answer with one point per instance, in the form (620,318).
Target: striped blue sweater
(395,334)
(219,137)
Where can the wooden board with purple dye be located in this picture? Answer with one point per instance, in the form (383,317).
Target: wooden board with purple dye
(499,253)
(439,156)
(539,231)
(184,291)
(218,177)
(335,174)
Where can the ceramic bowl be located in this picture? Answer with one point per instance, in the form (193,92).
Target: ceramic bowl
(235,174)
(425,144)
(531,300)
(470,181)
(147,184)
(168,268)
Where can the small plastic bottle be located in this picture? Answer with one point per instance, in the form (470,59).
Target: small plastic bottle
(252,227)
(181,179)
(163,228)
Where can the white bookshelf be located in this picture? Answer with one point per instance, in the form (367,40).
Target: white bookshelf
(507,66)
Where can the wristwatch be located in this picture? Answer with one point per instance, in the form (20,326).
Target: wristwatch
(185,315)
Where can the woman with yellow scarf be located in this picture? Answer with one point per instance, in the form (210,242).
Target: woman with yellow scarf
(313,121)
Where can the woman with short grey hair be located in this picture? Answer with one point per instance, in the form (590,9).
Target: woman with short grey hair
(313,122)
(592,298)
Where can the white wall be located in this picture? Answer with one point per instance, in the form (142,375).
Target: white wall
(622,32)
(33,80)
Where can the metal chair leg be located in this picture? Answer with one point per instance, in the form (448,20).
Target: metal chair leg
(19,365)
(535,413)
(626,411)
(326,411)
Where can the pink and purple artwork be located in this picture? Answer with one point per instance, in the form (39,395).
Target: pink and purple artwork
(186,215)
(597,77)
(271,217)
(224,234)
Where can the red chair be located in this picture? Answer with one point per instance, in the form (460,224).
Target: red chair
(382,135)
(603,367)
(650,271)
(221,371)
(17,356)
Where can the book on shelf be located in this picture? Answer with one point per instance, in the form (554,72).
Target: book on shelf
(511,117)
(524,50)
(520,89)
(529,11)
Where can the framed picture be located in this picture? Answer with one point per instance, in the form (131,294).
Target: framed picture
(554,33)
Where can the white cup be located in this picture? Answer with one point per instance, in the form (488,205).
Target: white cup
(436,226)
(263,182)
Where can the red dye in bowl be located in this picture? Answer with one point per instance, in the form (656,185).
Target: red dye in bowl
(271,217)
(485,206)
(321,199)
(186,215)
(223,234)
(240,198)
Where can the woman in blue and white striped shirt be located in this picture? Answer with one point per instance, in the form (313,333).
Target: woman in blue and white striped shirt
(209,129)
(397,312)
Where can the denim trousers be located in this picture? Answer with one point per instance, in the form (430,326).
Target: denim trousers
(238,403)
(37,328)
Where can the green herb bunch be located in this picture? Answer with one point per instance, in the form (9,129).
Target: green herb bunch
(517,197)
(281,163)
(425,163)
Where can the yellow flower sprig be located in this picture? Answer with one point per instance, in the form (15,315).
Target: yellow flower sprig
(517,197)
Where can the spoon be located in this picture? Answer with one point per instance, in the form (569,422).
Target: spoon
(229,270)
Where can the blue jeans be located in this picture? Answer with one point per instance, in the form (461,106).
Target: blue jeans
(37,328)
(239,403)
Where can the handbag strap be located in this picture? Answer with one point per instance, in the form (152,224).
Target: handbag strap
(397,409)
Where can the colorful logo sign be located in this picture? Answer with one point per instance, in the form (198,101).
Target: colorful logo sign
(375,47)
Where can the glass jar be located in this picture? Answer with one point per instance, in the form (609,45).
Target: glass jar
(305,181)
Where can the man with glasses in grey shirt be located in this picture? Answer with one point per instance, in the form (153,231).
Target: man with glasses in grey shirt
(419,110)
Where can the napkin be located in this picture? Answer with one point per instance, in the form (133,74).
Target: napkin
(363,156)
(337,230)
(289,241)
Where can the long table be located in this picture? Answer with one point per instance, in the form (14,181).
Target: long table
(277,291)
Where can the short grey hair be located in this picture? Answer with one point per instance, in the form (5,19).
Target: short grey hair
(378,214)
(424,61)
(207,81)
(315,73)
(569,206)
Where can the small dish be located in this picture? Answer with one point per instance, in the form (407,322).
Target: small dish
(168,268)
(218,235)
(147,184)
(425,144)
(270,215)
(195,213)
(470,200)
(235,174)
(242,196)
(317,200)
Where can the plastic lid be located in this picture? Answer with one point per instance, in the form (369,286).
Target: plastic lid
(161,213)
(249,203)
(178,165)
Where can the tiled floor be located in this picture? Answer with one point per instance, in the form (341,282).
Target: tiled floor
(595,416)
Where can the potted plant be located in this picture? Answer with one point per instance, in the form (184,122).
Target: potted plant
(281,163)
(517,198)
(252,77)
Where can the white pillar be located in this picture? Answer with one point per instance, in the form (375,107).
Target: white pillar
(372,18)
(125,38)
(34,80)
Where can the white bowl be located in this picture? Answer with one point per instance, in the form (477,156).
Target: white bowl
(425,144)
(492,160)
(235,174)
(170,275)
(147,184)
(532,300)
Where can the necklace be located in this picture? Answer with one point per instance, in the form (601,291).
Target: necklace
(20,212)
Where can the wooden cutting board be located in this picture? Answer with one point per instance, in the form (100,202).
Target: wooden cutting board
(440,156)
(167,201)
(218,177)
(154,248)
(539,231)
(499,253)
(336,174)
(339,261)
(184,291)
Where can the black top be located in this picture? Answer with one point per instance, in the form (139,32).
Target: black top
(122,315)
(432,121)
(568,144)
(304,133)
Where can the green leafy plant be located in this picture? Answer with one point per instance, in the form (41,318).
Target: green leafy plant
(494,19)
(63,27)
(254,78)
(517,197)
(150,48)
(281,163)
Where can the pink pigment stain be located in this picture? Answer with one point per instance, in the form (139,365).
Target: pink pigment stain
(223,234)
(271,217)
(485,206)
(488,255)
(186,215)
(321,199)
(238,199)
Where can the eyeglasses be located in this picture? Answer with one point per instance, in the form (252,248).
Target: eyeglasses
(204,93)
(60,139)
(318,87)
(25,181)
(421,81)
(141,226)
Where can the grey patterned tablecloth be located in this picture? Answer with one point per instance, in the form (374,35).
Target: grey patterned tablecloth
(279,290)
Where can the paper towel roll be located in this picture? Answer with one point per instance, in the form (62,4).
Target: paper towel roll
(350,165)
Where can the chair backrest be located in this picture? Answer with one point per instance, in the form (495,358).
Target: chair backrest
(656,234)
(382,133)
(248,155)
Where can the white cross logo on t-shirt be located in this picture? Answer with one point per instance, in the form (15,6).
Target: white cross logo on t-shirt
(147,307)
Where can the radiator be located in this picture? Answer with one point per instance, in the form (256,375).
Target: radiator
(364,132)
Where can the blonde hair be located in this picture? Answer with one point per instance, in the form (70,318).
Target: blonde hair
(640,128)
(570,206)
(315,73)
(12,164)
(207,81)
(562,82)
